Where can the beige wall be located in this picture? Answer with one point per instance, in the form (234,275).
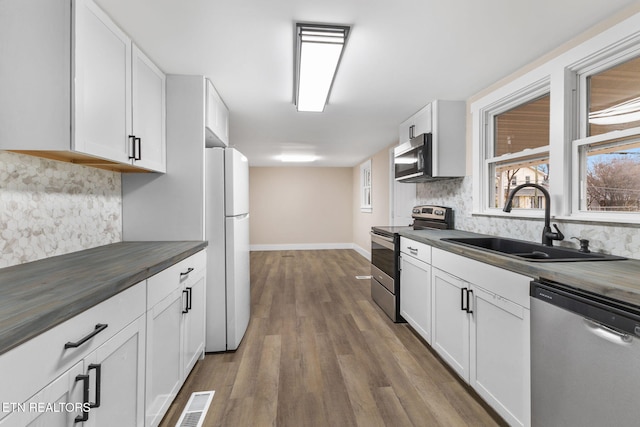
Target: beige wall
(316,207)
(362,222)
(300,206)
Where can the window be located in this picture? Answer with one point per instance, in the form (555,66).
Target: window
(572,125)
(613,97)
(517,147)
(608,154)
(609,175)
(365,187)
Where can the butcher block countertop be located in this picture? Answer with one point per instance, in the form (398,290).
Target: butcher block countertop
(39,295)
(619,280)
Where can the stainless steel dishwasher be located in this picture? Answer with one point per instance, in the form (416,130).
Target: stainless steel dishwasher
(585,359)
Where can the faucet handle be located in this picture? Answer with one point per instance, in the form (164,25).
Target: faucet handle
(559,235)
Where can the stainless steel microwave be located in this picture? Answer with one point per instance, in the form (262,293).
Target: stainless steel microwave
(413,159)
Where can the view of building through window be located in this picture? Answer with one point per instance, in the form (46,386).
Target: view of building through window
(510,176)
(517,131)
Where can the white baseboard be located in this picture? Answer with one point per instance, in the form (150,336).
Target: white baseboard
(362,252)
(311,247)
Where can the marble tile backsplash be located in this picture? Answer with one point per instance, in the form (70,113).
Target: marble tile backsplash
(50,208)
(623,240)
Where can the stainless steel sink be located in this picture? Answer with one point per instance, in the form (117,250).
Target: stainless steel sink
(530,251)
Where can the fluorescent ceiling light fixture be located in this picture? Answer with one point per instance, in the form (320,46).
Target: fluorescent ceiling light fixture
(318,52)
(297,158)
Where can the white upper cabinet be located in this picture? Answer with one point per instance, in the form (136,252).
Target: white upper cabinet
(102,103)
(78,90)
(416,125)
(446,122)
(149,116)
(217,119)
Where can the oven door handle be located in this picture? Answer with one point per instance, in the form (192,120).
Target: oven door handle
(384,241)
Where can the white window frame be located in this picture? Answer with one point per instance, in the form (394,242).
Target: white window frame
(566,123)
(602,60)
(366,187)
(484,181)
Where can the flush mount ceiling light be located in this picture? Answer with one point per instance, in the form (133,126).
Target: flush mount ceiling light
(297,158)
(318,52)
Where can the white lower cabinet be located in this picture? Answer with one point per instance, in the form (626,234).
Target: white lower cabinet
(415,294)
(450,321)
(500,364)
(116,372)
(175,331)
(64,389)
(119,363)
(163,358)
(483,335)
(194,324)
(89,368)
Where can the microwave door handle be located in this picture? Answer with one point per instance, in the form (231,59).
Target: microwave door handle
(420,160)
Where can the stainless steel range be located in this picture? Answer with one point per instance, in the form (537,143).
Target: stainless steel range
(385,252)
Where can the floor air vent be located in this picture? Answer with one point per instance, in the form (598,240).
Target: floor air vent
(363,277)
(196,409)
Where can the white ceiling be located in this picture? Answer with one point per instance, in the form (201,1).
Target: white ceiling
(401,54)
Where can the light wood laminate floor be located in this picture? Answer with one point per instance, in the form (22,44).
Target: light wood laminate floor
(319,352)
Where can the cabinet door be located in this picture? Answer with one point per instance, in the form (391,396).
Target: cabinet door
(148,112)
(415,125)
(117,370)
(422,121)
(194,321)
(415,294)
(102,76)
(217,119)
(61,394)
(499,369)
(164,373)
(450,323)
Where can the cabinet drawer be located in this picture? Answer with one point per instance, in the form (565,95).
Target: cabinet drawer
(416,249)
(507,284)
(178,275)
(45,357)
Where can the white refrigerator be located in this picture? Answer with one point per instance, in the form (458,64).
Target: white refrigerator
(227,230)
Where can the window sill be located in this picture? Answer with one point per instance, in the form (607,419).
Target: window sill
(631,218)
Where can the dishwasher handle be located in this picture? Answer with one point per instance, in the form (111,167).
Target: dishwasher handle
(607,333)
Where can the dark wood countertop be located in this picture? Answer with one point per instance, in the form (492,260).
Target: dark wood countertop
(618,279)
(39,295)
